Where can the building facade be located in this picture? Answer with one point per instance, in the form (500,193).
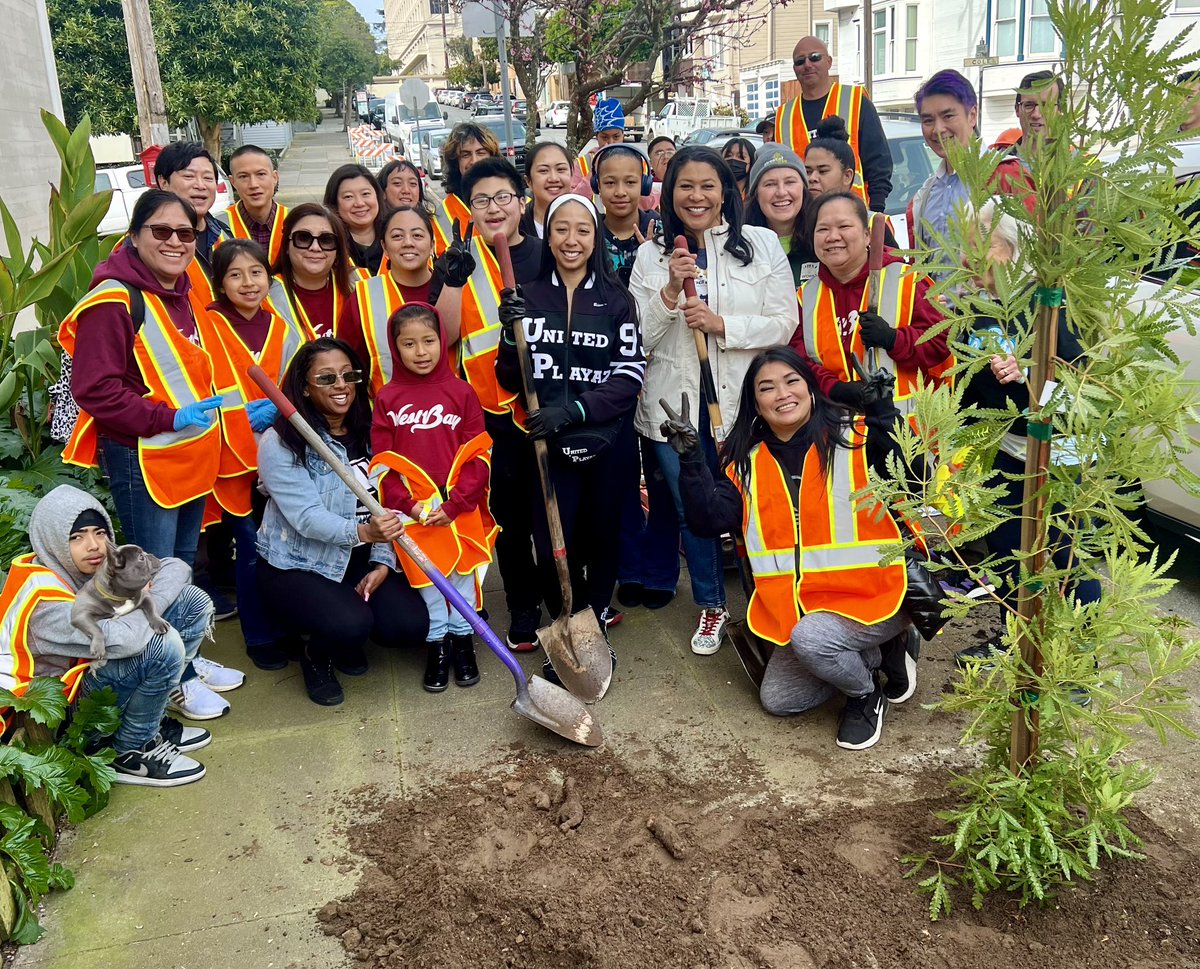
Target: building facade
(417,36)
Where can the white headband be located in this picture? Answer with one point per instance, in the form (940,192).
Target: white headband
(583,200)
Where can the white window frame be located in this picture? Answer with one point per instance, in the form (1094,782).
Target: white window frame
(1187,6)
(826,27)
(750,97)
(894,62)
(771,88)
(1029,19)
(911,41)
(997,20)
(880,59)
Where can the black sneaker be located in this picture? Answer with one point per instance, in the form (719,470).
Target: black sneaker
(158,764)
(862,720)
(185,738)
(522,632)
(223,606)
(610,616)
(351,661)
(981,655)
(657,598)
(321,682)
(900,665)
(629,594)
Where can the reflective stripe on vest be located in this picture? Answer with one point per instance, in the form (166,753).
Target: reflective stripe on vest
(27,586)
(178,466)
(843,100)
(241,228)
(446,215)
(480,334)
(840,545)
(378,298)
(467,542)
(281,297)
(823,335)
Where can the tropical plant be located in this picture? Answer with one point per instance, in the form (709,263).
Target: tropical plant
(1051,796)
(41,779)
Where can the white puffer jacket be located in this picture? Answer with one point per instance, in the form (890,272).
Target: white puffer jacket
(757,302)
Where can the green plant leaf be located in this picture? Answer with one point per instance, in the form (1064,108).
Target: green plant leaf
(42,282)
(43,700)
(85,217)
(12,234)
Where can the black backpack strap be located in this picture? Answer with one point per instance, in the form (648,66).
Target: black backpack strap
(137,306)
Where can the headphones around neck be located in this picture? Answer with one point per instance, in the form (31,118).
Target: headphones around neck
(647,175)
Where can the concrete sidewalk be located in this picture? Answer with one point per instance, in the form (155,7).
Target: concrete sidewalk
(312,156)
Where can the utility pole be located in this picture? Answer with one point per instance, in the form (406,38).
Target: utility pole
(147,84)
(868,42)
(445,39)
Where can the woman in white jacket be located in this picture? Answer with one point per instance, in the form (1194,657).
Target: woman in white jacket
(745,303)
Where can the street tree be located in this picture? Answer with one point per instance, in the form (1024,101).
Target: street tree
(347,57)
(470,68)
(94,75)
(619,42)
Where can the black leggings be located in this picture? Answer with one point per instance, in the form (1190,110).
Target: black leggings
(590,501)
(333,615)
(514,478)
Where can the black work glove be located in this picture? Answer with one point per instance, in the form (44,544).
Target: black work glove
(678,429)
(550,420)
(876,331)
(512,311)
(850,393)
(455,266)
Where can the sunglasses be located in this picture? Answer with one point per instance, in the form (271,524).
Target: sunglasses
(329,379)
(816,57)
(302,239)
(164,232)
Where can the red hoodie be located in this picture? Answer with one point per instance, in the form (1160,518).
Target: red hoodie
(847,298)
(105,379)
(427,420)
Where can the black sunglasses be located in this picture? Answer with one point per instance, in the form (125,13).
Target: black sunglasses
(302,239)
(329,379)
(816,57)
(164,232)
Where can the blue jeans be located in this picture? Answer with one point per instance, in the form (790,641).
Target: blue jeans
(650,539)
(443,617)
(144,682)
(704,559)
(165,532)
(257,627)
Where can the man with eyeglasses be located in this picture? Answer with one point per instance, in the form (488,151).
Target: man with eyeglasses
(256,215)
(662,149)
(821,97)
(1035,92)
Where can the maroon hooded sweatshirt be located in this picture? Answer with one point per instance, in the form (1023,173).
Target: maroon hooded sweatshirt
(253,332)
(105,379)
(847,298)
(427,420)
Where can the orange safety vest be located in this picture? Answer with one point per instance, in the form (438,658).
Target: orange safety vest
(463,545)
(283,300)
(823,336)
(231,361)
(29,585)
(378,298)
(202,293)
(479,340)
(241,228)
(830,562)
(178,466)
(450,212)
(843,100)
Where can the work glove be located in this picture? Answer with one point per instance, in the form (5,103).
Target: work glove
(455,266)
(512,311)
(262,414)
(876,331)
(678,429)
(550,420)
(197,414)
(855,394)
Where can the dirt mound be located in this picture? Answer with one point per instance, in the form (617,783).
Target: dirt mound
(615,867)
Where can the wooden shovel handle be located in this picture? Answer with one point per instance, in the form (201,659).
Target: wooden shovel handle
(707,384)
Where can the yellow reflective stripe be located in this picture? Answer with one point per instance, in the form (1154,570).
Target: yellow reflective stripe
(483,289)
(382,294)
(836,558)
(177,382)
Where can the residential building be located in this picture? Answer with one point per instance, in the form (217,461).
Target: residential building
(417,35)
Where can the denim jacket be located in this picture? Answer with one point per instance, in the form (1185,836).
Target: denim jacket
(310,521)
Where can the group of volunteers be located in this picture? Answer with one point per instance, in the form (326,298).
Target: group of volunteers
(691,319)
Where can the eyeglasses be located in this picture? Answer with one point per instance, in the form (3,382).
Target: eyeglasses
(1028,105)
(303,239)
(481,202)
(164,232)
(662,153)
(329,379)
(816,57)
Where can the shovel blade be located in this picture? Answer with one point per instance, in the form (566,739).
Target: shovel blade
(579,652)
(753,653)
(555,709)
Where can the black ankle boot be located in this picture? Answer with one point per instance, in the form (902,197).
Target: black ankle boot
(466,672)
(320,681)
(437,666)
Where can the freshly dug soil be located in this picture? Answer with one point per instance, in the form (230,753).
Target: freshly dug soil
(619,867)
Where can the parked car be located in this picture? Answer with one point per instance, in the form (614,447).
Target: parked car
(520,108)
(556,114)
(128,182)
(514,152)
(716,138)
(429,144)
(681,116)
(469,99)
(912,163)
(484,104)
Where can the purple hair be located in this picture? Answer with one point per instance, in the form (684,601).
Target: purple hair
(948,82)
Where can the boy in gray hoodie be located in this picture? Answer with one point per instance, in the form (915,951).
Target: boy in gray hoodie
(69,530)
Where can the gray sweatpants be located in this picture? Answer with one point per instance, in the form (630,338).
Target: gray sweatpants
(829,654)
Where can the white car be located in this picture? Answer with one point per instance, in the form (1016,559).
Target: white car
(430,144)
(128,182)
(556,114)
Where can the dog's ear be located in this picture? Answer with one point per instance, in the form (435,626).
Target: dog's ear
(116,558)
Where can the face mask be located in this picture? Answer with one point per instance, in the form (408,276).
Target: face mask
(737,167)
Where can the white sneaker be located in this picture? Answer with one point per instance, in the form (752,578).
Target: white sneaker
(195,701)
(218,678)
(706,640)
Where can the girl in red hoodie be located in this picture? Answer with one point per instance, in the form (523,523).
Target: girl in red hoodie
(427,436)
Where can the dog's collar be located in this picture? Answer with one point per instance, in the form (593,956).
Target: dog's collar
(104,593)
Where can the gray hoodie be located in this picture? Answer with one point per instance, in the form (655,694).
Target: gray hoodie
(56,644)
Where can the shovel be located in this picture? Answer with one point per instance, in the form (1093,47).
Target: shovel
(575,644)
(538,700)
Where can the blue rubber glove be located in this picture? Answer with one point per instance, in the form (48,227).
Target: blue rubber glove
(262,414)
(197,414)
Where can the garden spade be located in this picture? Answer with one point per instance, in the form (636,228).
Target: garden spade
(538,700)
(575,643)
